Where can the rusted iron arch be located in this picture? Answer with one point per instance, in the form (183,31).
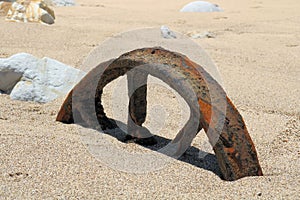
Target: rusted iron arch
(137,87)
(234,148)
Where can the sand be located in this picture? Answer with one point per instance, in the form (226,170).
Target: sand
(256,48)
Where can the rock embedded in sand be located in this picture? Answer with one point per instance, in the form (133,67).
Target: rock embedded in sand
(167,33)
(47,18)
(28,78)
(201,6)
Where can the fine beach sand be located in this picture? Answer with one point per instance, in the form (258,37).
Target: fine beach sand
(257,51)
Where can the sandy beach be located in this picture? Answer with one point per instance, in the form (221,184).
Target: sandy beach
(256,47)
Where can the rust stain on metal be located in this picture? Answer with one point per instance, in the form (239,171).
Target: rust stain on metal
(233,147)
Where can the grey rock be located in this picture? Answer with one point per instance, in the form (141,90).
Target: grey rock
(47,18)
(8,80)
(28,78)
(167,33)
(201,6)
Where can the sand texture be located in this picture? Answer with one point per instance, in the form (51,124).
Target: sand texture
(256,47)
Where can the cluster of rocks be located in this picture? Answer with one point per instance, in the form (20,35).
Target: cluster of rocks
(25,77)
(40,11)
(31,10)
(196,6)
(28,11)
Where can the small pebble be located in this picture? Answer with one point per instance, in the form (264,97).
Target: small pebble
(205,34)
(259,194)
(167,33)
(3,118)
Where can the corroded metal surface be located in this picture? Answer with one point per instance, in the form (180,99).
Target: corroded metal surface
(208,103)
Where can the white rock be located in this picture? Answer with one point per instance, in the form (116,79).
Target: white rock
(63,2)
(28,78)
(201,6)
(167,33)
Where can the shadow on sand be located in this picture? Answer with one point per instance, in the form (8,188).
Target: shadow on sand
(191,156)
